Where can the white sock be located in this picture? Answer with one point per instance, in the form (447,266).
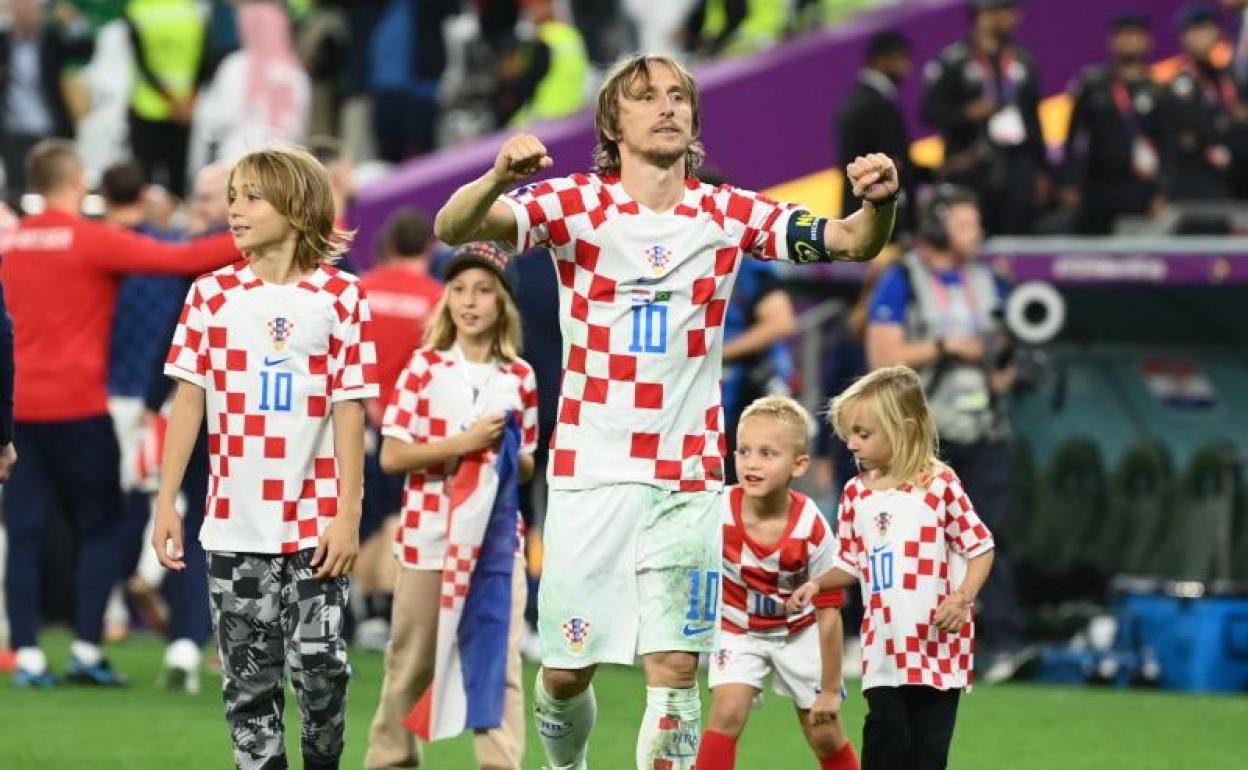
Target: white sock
(670,730)
(564,726)
(88,654)
(32,660)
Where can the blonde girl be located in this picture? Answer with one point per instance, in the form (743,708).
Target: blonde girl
(452,400)
(909,536)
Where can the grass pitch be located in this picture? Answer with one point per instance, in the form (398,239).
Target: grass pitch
(1017,726)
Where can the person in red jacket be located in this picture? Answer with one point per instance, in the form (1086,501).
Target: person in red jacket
(61,272)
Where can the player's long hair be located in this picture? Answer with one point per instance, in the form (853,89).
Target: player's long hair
(297,186)
(895,393)
(622,79)
(508,335)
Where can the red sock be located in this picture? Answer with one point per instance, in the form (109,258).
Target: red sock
(845,759)
(717,752)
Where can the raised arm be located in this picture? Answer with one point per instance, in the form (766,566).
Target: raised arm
(473,213)
(860,236)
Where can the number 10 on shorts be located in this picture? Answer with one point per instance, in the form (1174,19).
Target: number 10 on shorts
(703,596)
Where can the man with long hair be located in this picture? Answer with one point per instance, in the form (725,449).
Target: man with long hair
(646,257)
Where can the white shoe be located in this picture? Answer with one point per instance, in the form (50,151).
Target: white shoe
(182,659)
(373,634)
(530,645)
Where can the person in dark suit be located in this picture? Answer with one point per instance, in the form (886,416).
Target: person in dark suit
(33,53)
(982,95)
(870,120)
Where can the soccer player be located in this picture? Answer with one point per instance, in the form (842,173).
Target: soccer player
(62,273)
(276,351)
(646,257)
(774,539)
(450,401)
(907,533)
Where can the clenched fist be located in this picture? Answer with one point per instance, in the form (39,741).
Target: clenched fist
(873,177)
(520,158)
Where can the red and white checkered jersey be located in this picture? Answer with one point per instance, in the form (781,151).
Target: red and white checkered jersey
(272,359)
(908,548)
(642,298)
(433,400)
(758,579)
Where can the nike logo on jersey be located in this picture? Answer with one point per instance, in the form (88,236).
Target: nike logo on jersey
(692,630)
(878,548)
(275,361)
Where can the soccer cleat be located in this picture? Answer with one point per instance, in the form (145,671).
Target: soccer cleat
(44,680)
(99,675)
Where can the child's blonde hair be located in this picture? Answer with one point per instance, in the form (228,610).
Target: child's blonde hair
(508,335)
(788,413)
(895,394)
(297,186)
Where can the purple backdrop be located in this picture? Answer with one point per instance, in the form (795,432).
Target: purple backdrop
(789,95)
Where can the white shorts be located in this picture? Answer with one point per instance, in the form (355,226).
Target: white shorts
(793,662)
(629,569)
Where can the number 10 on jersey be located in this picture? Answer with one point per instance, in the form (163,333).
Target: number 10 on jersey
(276,390)
(649,329)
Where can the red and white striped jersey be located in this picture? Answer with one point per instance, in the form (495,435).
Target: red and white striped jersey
(272,360)
(908,548)
(642,300)
(433,400)
(758,579)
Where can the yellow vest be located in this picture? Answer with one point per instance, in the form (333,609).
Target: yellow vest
(762,26)
(171,36)
(561,91)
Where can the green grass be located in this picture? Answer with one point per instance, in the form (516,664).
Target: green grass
(1017,727)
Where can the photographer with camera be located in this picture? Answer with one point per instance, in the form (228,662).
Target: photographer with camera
(937,311)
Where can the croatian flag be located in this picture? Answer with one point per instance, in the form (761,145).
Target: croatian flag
(470,668)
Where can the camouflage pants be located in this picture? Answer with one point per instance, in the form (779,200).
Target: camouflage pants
(271,617)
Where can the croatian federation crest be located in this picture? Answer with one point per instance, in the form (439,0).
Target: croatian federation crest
(721,658)
(576,632)
(882,521)
(659,257)
(280,329)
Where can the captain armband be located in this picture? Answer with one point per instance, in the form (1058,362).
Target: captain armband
(805,238)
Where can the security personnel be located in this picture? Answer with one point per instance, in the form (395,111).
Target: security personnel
(871,120)
(1205,120)
(983,96)
(557,68)
(1113,162)
(167,37)
(723,28)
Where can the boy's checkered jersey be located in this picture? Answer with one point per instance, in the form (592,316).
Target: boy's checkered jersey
(273,360)
(642,300)
(908,548)
(758,579)
(432,401)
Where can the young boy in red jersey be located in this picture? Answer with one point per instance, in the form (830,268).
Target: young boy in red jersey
(774,540)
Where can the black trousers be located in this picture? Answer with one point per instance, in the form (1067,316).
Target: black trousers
(161,147)
(908,728)
(68,468)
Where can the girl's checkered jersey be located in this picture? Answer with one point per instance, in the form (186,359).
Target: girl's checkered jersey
(432,401)
(758,580)
(908,548)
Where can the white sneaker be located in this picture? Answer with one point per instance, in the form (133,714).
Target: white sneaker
(530,645)
(182,659)
(373,634)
